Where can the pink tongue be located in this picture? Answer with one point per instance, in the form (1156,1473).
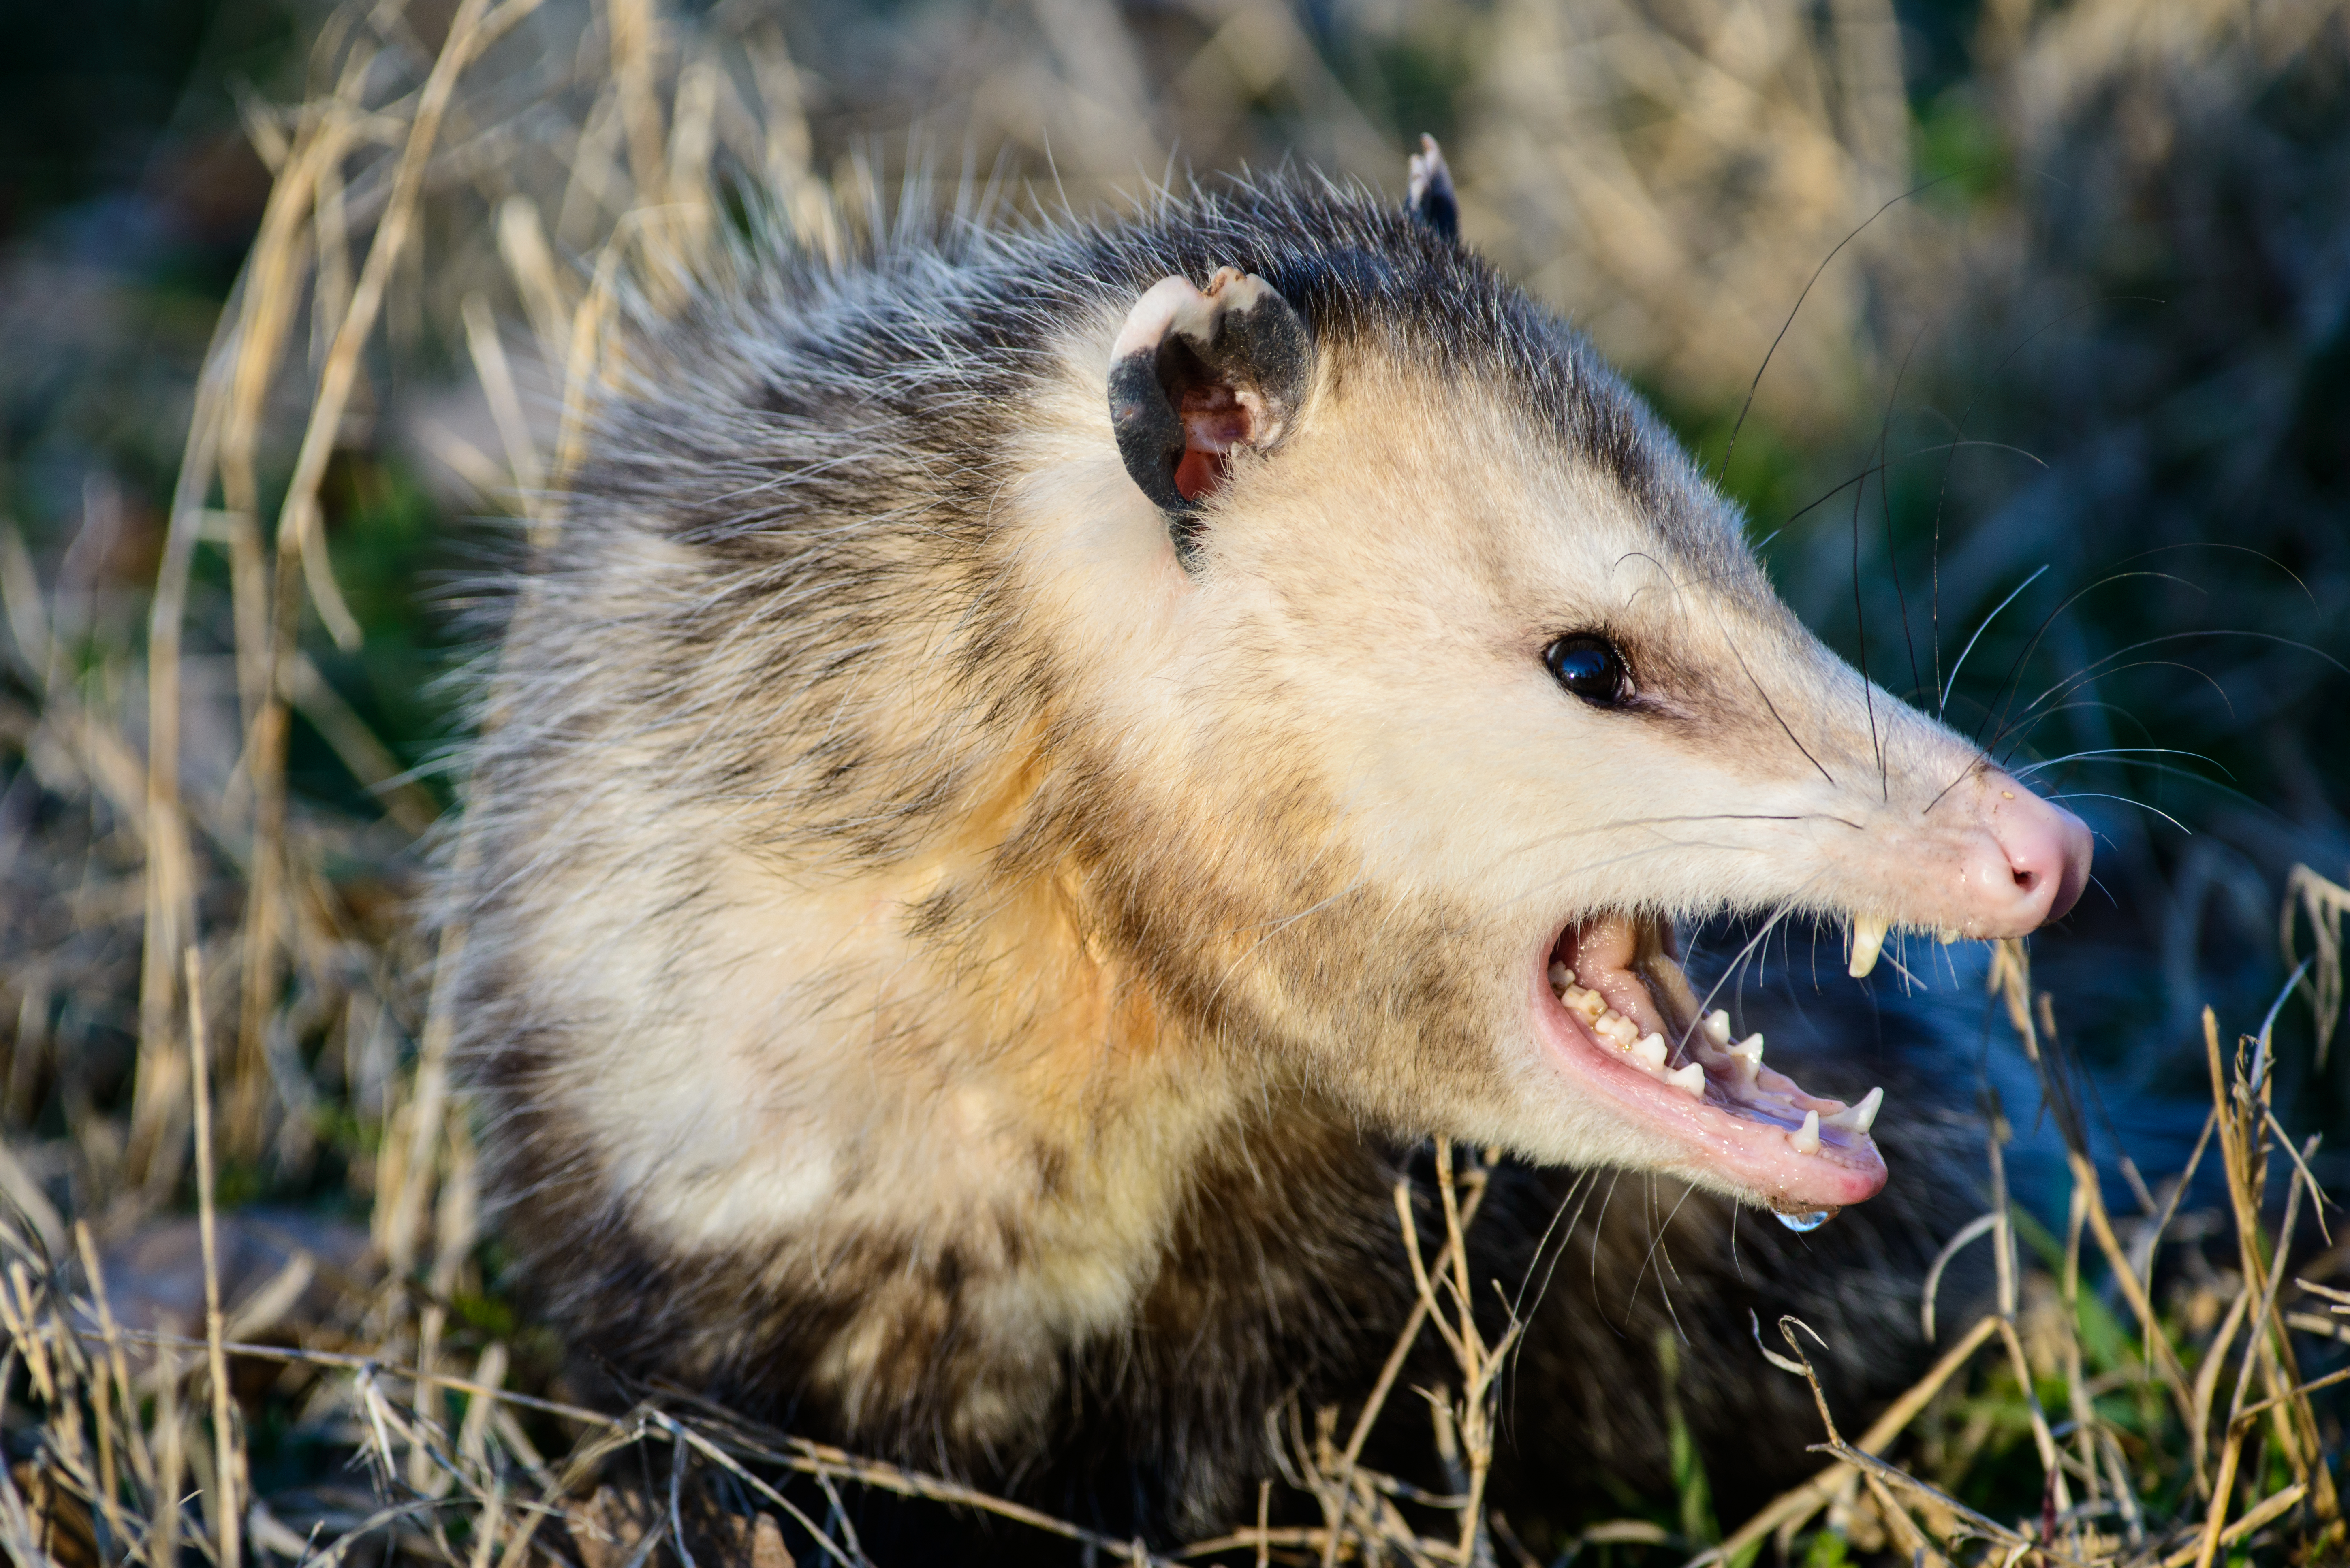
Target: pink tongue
(1601,954)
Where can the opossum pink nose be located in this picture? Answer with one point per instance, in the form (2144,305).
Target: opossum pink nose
(2046,849)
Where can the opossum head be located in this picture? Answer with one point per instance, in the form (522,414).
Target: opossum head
(1437,685)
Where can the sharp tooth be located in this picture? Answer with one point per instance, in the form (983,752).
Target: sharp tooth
(1561,977)
(1806,1138)
(1716,1028)
(1750,1048)
(1690,1079)
(1867,937)
(1946,935)
(1859,1117)
(1650,1048)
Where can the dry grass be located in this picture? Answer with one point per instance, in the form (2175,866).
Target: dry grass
(549,159)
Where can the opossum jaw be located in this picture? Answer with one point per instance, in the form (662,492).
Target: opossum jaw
(1612,1003)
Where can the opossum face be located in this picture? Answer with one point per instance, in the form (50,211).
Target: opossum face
(1457,708)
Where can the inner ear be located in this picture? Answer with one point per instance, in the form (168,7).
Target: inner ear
(1196,375)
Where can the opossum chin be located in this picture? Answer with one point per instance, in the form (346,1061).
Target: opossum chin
(1611,1002)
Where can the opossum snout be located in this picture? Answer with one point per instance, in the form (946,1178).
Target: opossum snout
(2031,867)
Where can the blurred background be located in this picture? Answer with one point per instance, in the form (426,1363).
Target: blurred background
(2028,321)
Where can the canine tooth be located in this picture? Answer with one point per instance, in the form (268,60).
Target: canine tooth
(1561,977)
(1690,1079)
(1861,1116)
(1868,938)
(1806,1138)
(1650,1048)
(1716,1028)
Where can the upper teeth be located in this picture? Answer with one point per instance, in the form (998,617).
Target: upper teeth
(1868,938)
(1861,1116)
(1650,1048)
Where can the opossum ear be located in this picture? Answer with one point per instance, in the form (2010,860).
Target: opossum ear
(1431,200)
(1196,374)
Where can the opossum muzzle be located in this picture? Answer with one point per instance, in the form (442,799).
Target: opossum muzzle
(1614,1000)
(1196,375)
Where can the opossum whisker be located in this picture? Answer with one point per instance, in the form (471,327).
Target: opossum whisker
(1629,856)
(1542,1242)
(1776,717)
(1784,909)
(2071,684)
(2190,775)
(1885,504)
(1860,637)
(1283,921)
(1942,492)
(1272,929)
(1747,407)
(2085,704)
(1662,571)
(1960,661)
(2122,752)
(2240,549)
(1893,560)
(2033,642)
(1598,1223)
(1900,969)
(1872,469)
(2095,666)
(2125,800)
(1588,1183)
(1656,1240)
(1521,847)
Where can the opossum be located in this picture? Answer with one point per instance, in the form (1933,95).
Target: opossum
(1039,763)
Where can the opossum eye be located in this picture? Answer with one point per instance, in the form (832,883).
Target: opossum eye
(1589,667)
(1195,376)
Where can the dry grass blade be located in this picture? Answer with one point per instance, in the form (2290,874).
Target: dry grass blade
(227,1450)
(2323,904)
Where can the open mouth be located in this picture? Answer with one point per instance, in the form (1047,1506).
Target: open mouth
(1611,997)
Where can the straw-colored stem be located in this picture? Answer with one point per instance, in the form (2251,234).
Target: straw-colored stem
(228,1525)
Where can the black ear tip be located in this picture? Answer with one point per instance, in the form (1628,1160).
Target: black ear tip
(1431,200)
